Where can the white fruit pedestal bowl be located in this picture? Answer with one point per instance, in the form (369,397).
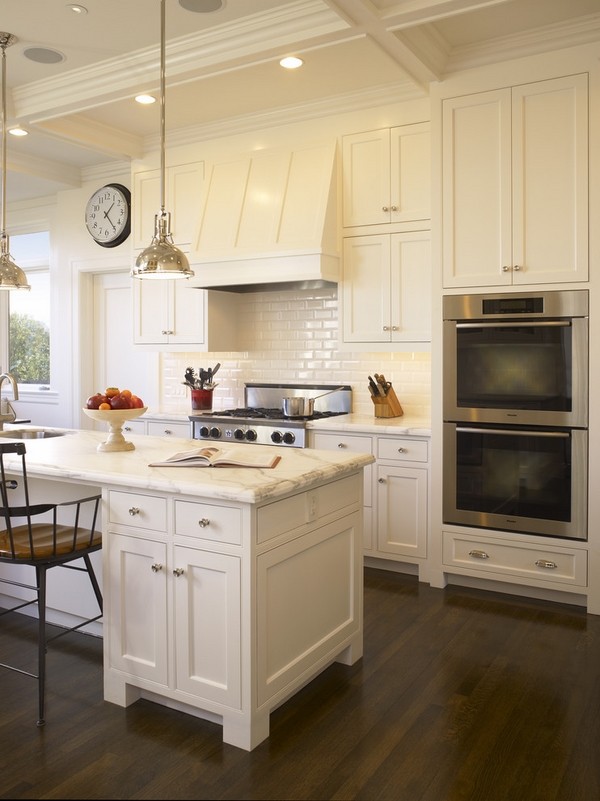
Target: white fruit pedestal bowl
(115,419)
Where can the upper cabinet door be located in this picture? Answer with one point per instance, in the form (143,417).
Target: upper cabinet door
(515,185)
(183,190)
(386,176)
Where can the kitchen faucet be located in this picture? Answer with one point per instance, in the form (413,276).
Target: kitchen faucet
(10,414)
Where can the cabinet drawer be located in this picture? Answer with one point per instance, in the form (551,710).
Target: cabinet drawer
(495,557)
(207,522)
(140,511)
(403,450)
(168,429)
(135,426)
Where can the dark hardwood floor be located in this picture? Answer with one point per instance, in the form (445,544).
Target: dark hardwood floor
(462,695)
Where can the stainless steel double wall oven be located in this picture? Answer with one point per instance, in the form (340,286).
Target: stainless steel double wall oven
(515,401)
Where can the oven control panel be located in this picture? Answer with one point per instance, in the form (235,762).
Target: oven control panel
(249,433)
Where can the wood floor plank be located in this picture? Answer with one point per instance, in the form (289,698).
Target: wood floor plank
(462,695)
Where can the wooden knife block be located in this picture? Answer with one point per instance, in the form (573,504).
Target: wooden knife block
(388,406)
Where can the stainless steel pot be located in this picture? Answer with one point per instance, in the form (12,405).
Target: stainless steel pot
(300,406)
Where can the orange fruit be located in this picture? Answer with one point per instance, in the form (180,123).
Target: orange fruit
(105,407)
(126,393)
(110,392)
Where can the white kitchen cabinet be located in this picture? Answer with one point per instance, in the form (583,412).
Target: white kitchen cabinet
(158,428)
(386,175)
(183,191)
(361,444)
(180,317)
(515,185)
(386,289)
(209,609)
(402,488)
(396,492)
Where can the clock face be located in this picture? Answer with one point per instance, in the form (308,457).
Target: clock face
(108,215)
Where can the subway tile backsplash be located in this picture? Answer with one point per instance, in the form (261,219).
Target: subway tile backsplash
(292,337)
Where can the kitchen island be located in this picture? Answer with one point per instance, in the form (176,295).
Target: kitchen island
(226,589)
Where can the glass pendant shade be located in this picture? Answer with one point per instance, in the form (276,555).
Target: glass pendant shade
(162,258)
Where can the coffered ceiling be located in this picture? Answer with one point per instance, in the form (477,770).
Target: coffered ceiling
(72,77)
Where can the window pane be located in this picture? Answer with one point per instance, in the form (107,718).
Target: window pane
(29,334)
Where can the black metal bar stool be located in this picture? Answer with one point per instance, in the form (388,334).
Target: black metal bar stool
(43,545)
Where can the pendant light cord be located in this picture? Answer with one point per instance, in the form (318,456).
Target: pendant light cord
(162,108)
(3,44)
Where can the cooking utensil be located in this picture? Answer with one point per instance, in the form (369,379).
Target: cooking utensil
(300,406)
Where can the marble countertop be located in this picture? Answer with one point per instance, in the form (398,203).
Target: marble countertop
(74,457)
(369,424)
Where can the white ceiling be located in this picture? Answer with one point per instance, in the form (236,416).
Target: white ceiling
(222,67)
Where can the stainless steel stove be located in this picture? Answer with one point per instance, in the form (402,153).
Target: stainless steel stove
(262,421)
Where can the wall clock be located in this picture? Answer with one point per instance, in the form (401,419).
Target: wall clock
(108,215)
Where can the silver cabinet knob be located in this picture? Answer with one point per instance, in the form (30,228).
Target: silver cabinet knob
(341,445)
(385,208)
(386,328)
(133,511)
(402,450)
(156,567)
(546,564)
(506,268)
(204,522)
(178,571)
(394,208)
(516,268)
(381,480)
(167,432)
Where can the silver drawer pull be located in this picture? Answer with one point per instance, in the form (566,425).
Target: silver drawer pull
(204,522)
(341,444)
(178,571)
(546,563)
(479,554)
(133,511)
(156,567)
(167,432)
(402,450)
(381,480)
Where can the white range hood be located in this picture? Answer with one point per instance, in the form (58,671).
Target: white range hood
(269,221)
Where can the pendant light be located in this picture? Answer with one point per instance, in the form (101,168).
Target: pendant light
(162,259)
(11,276)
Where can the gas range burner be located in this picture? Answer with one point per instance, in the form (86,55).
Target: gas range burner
(262,420)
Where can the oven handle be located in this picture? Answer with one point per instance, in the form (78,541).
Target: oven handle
(512,432)
(523,324)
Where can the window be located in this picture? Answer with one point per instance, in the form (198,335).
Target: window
(27,351)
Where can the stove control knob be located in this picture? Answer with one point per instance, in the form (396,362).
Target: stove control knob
(238,434)
(251,435)
(276,437)
(215,433)
(204,431)
(289,438)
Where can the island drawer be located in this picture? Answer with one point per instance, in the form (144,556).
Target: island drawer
(207,522)
(140,511)
(404,450)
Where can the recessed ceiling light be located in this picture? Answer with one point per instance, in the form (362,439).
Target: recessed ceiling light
(291,62)
(202,6)
(16,131)
(145,100)
(76,9)
(43,55)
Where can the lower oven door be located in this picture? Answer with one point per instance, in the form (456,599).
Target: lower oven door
(532,481)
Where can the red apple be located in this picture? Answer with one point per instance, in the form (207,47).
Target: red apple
(120,402)
(136,403)
(95,400)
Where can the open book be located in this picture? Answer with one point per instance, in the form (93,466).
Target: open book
(244,456)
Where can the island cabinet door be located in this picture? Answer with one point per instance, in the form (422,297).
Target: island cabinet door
(207,624)
(138,607)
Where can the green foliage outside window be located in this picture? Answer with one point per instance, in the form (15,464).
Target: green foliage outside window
(29,350)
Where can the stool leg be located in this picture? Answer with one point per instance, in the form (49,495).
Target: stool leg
(41,593)
(94,580)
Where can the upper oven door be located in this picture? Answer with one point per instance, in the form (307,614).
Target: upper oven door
(529,372)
